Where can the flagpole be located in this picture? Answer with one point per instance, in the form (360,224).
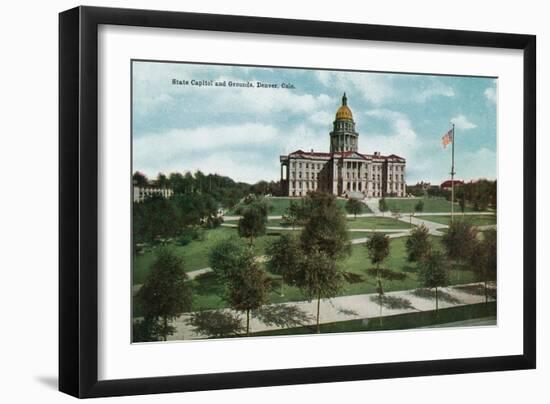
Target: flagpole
(453,177)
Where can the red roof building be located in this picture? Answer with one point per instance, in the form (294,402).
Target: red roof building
(447,185)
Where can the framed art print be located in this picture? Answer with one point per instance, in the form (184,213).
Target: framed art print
(249,201)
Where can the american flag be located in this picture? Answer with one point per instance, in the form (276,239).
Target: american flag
(447,138)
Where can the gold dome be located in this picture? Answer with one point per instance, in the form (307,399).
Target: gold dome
(344,112)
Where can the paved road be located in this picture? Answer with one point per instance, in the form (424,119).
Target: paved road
(365,306)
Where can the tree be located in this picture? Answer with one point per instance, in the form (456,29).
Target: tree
(419,207)
(165,295)
(433,274)
(378,249)
(418,244)
(228,255)
(382,205)
(354,207)
(462,203)
(139,179)
(294,214)
(325,226)
(247,289)
(253,219)
(284,258)
(246,285)
(461,196)
(319,277)
(161,181)
(459,240)
(483,259)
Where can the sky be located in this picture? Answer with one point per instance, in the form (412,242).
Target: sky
(240,132)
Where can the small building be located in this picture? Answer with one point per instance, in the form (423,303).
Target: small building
(447,185)
(142,193)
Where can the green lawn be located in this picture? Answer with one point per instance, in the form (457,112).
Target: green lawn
(280,205)
(354,266)
(451,317)
(376,223)
(195,254)
(435,205)
(475,220)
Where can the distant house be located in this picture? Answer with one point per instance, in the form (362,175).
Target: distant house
(142,193)
(447,185)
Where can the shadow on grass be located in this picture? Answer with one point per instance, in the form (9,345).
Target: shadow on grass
(392,302)
(275,284)
(351,277)
(273,233)
(208,284)
(429,294)
(409,269)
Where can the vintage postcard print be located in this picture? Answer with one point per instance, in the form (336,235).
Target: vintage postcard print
(273,201)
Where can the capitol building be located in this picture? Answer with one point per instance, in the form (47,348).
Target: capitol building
(343,171)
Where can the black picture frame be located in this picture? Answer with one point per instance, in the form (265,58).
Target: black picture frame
(78,200)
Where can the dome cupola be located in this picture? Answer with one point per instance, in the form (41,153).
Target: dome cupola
(344,112)
(343,137)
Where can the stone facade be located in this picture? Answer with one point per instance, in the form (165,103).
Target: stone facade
(343,171)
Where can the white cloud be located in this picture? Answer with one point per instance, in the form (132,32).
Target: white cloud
(304,137)
(206,137)
(381,88)
(322,118)
(470,164)
(231,150)
(375,88)
(491,94)
(401,139)
(238,151)
(434,89)
(461,122)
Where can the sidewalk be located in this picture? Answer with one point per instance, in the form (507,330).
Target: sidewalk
(365,306)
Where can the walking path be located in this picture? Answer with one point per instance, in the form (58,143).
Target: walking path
(372,203)
(356,307)
(369,230)
(431,226)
